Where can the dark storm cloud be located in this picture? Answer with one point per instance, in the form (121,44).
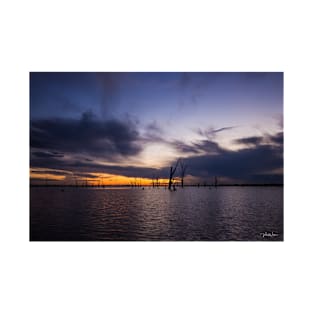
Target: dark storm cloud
(249,140)
(209,146)
(276,139)
(42,154)
(89,135)
(245,164)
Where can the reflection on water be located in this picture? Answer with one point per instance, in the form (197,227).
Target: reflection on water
(223,213)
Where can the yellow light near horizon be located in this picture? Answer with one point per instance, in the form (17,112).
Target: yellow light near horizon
(107,179)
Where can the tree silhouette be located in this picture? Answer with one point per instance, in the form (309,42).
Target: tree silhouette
(172,173)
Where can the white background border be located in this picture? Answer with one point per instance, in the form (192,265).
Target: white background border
(155,36)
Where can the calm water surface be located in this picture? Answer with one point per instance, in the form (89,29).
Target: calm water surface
(223,213)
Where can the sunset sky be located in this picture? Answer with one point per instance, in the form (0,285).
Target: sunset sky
(111,128)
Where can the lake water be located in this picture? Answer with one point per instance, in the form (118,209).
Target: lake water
(222,213)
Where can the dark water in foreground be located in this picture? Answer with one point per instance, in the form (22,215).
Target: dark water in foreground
(223,213)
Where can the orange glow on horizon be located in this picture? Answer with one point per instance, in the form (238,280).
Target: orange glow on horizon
(69,178)
(105,179)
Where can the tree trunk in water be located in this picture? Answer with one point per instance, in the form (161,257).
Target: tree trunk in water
(170,179)
(172,173)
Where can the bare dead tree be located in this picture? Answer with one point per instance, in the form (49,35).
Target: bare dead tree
(172,173)
(183,168)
